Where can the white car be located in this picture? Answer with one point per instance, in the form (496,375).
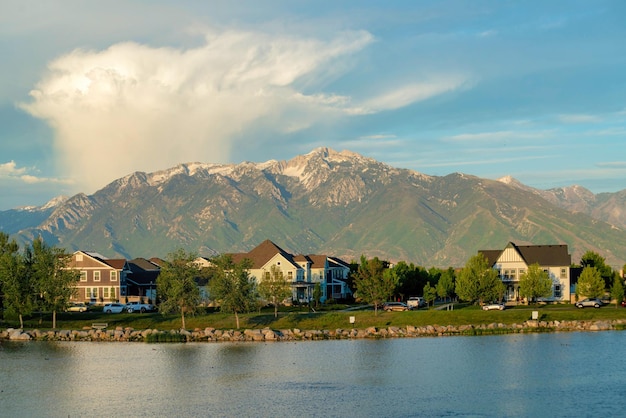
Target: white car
(77,307)
(416,302)
(493,307)
(113,308)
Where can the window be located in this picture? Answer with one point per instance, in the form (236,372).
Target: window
(79,257)
(105,293)
(114,276)
(563,273)
(557,291)
(83,276)
(267,275)
(91,292)
(290,276)
(112,294)
(96,276)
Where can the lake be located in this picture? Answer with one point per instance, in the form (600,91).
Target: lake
(517,375)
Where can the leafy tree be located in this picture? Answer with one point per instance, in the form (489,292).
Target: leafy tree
(535,283)
(593,259)
(590,283)
(317,293)
(233,286)
(374,283)
(17,290)
(176,286)
(52,279)
(617,290)
(478,282)
(275,288)
(445,285)
(430,293)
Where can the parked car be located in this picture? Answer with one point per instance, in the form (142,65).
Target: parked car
(496,306)
(139,307)
(76,307)
(416,302)
(395,306)
(113,308)
(595,302)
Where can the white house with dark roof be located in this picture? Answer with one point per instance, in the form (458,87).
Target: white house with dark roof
(302,271)
(513,261)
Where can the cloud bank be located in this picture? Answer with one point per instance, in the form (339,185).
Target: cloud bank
(136,107)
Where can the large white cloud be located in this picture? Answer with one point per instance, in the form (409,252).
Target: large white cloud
(136,107)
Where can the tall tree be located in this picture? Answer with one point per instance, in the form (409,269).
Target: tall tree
(478,281)
(593,259)
(430,293)
(274,287)
(374,283)
(233,286)
(52,279)
(317,293)
(590,283)
(617,290)
(176,286)
(535,283)
(16,287)
(445,285)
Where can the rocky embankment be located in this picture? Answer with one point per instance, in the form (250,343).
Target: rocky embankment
(267,334)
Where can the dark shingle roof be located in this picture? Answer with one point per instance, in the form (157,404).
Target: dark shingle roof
(544,255)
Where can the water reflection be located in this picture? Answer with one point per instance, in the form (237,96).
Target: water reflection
(511,375)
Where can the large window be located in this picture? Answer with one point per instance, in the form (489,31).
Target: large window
(114,276)
(557,291)
(96,276)
(91,292)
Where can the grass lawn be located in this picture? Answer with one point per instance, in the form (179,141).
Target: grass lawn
(290,318)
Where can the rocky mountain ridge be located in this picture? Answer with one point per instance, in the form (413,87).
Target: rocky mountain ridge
(339,203)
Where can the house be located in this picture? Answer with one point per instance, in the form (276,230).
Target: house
(302,271)
(513,261)
(141,282)
(101,280)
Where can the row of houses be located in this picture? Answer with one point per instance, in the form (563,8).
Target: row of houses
(104,279)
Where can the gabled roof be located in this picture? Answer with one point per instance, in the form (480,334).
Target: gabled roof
(544,255)
(262,254)
(116,263)
(143,264)
(317,261)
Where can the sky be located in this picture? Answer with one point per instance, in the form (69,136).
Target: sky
(93,91)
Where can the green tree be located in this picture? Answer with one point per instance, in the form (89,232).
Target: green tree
(593,259)
(16,284)
(617,290)
(590,283)
(430,293)
(177,286)
(274,287)
(535,283)
(374,283)
(445,285)
(52,279)
(317,293)
(478,281)
(233,286)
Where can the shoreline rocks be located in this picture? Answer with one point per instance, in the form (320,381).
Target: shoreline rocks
(120,334)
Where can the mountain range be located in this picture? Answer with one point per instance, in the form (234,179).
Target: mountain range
(328,202)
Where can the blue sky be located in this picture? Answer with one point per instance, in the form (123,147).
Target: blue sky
(92,91)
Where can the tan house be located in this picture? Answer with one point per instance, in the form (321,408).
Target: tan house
(102,280)
(513,261)
(302,271)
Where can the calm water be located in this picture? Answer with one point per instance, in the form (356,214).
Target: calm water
(568,374)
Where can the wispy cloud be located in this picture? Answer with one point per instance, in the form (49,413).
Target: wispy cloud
(10,171)
(579,118)
(498,136)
